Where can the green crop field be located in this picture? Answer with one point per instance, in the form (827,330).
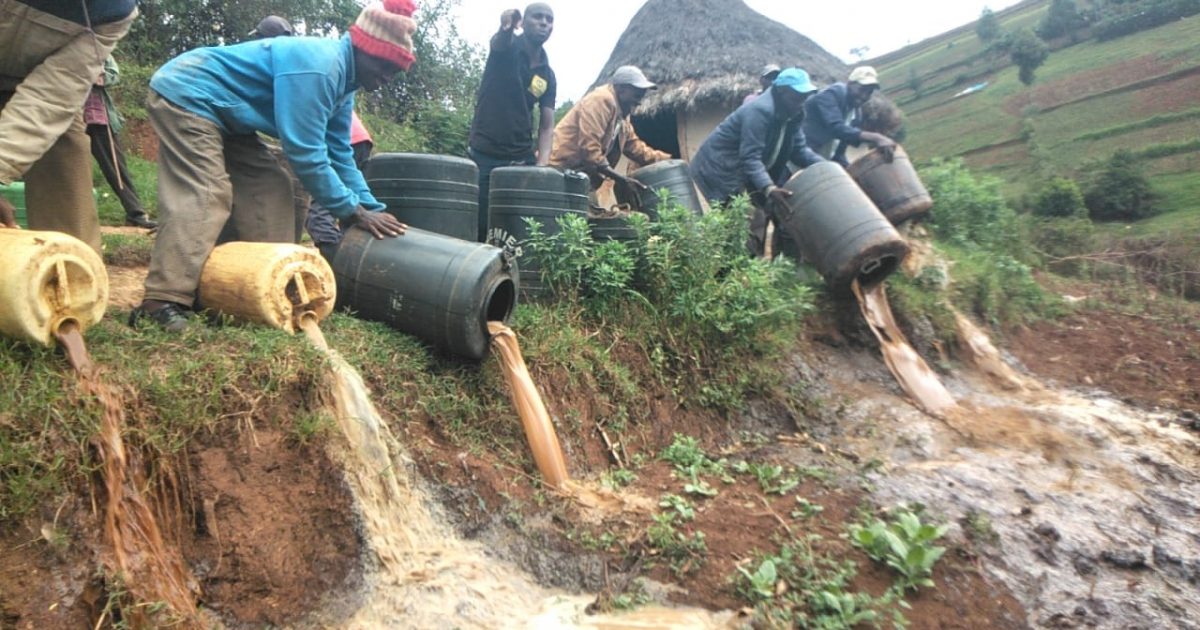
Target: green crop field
(1139,92)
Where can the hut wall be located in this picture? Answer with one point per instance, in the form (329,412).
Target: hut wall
(696,124)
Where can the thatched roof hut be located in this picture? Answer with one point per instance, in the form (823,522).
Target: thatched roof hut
(705,55)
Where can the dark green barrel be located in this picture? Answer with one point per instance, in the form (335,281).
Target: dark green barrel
(15,193)
(612,229)
(439,193)
(838,228)
(536,192)
(672,175)
(439,289)
(892,184)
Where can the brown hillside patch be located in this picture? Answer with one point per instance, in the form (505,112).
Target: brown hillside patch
(1087,82)
(1147,354)
(141,140)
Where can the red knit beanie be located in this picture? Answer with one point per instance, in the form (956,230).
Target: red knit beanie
(385,30)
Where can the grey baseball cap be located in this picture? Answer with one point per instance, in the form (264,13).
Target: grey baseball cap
(770,70)
(632,75)
(272,26)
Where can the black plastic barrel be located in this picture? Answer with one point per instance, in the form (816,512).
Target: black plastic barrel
(439,193)
(672,175)
(892,184)
(839,230)
(536,192)
(439,289)
(612,229)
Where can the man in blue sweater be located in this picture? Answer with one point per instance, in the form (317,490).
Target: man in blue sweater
(209,104)
(833,117)
(749,151)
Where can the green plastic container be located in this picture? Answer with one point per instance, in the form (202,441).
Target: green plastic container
(15,193)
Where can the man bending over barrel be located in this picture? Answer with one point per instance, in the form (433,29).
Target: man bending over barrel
(208,105)
(597,131)
(750,149)
(834,117)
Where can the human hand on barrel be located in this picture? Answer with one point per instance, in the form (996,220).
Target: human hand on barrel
(777,197)
(8,214)
(380,224)
(886,145)
(510,19)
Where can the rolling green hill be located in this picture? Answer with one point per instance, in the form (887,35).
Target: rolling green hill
(1139,92)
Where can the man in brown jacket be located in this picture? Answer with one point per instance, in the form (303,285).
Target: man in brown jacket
(597,131)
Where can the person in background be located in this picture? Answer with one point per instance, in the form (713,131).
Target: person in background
(516,78)
(208,106)
(834,116)
(750,149)
(103,124)
(325,231)
(597,131)
(53,52)
(765,78)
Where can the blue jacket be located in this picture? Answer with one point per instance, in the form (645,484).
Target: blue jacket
(825,121)
(297,89)
(739,155)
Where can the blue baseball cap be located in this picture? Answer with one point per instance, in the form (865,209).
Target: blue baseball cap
(796,79)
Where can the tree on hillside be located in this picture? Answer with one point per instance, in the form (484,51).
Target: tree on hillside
(1062,18)
(1029,52)
(988,26)
(1120,190)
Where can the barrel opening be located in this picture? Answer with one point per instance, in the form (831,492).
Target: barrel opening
(873,271)
(500,301)
(303,289)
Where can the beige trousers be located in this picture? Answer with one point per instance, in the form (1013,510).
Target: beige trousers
(47,66)
(207,179)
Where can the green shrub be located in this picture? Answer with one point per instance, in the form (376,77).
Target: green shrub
(1059,197)
(1056,239)
(1119,19)
(708,302)
(988,26)
(1119,190)
(969,211)
(1062,18)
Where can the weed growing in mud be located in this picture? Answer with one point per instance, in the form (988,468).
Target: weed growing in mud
(690,462)
(905,544)
(617,478)
(806,508)
(770,477)
(978,527)
(684,552)
(681,506)
(801,588)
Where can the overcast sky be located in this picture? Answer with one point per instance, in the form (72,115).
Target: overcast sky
(585,31)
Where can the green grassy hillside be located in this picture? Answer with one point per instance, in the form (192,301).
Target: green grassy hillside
(1139,92)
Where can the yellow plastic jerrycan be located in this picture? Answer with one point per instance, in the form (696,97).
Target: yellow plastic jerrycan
(48,279)
(268,283)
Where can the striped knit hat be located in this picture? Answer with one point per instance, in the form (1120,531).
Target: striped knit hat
(385,30)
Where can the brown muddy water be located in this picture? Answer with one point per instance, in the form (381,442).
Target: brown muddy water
(1087,509)
(421,574)
(150,568)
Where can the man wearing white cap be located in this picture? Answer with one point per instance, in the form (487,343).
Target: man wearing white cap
(766,77)
(208,106)
(597,131)
(834,116)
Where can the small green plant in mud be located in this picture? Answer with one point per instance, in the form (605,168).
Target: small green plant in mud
(684,552)
(806,508)
(801,588)
(681,506)
(617,478)
(770,477)
(635,596)
(905,544)
(690,462)
(978,527)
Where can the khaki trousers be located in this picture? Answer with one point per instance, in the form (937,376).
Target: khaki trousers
(47,67)
(207,179)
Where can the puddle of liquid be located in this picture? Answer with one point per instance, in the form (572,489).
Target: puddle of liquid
(151,570)
(539,430)
(910,370)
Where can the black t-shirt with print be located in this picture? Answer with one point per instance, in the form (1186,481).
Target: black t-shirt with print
(511,86)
